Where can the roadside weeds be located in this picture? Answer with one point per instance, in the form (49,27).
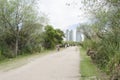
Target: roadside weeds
(88,69)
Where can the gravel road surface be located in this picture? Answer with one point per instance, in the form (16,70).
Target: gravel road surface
(62,65)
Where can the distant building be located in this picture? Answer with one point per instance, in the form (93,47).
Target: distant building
(78,36)
(73,35)
(67,35)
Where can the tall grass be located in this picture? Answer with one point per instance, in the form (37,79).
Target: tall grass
(88,69)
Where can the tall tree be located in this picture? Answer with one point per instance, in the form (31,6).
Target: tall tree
(52,37)
(17,16)
(59,34)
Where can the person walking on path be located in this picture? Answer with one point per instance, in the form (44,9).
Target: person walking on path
(58,47)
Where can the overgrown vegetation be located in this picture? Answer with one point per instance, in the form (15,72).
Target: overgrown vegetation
(87,69)
(22,29)
(102,36)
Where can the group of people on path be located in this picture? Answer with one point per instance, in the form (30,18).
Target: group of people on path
(58,46)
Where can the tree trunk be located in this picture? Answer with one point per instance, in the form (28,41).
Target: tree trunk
(17,41)
(16,47)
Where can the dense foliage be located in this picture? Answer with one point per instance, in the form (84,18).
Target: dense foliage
(102,36)
(22,29)
(18,27)
(52,37)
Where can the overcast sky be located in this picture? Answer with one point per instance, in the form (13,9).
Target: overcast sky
(63,13)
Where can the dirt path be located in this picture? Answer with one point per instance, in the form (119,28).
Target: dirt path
(62,65)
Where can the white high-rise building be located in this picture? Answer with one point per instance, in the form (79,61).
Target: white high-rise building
(73,35)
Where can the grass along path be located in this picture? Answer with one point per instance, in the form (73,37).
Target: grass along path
(88,69)
(21,60)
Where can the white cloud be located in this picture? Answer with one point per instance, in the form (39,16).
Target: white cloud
(62,13)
